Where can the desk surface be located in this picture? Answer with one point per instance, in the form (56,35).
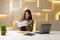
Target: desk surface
(16,35)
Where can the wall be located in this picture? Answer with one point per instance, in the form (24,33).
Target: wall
(43,11)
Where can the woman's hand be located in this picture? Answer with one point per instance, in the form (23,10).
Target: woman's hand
(20,20)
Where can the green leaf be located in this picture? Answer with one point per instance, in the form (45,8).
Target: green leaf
(3,27)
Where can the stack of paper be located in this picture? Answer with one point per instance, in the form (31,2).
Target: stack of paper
(23,23)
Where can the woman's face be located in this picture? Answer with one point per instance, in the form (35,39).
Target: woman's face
(27,15)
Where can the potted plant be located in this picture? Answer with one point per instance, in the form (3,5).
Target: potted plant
(3,30)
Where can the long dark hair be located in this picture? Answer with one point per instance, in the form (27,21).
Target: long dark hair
(30,17)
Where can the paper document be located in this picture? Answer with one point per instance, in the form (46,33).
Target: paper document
(23,23)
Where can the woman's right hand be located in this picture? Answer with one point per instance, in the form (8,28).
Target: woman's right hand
(20,20)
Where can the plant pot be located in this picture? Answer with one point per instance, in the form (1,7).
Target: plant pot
(3,32)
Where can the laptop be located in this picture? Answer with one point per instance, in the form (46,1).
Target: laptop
(45,29)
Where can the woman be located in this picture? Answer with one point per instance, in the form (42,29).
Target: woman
(28,17)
